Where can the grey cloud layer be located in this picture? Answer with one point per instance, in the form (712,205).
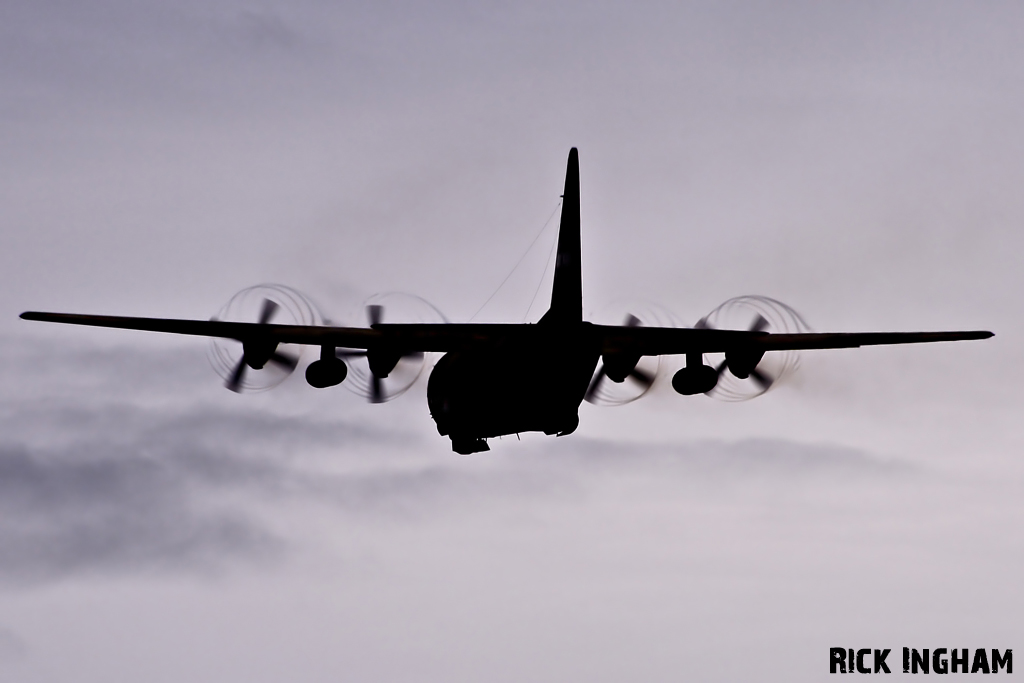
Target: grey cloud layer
(112,486)
(118,514)
(129,475)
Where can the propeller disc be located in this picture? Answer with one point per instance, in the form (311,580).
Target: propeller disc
(266,304)
(758,314)
(603,391)
(389,307)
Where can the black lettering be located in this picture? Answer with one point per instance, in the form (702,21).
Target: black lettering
(837,657)
(939,664)
(850,660)
(880,661)
(1006,661)
(919,660)
(962,661)
(980,662)
(906,660)
(861,654)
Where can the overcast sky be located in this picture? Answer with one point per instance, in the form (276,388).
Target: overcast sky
(861,161)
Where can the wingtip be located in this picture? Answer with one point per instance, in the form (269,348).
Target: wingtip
(38,315)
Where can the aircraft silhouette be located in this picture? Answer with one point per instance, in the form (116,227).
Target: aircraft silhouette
(501,379)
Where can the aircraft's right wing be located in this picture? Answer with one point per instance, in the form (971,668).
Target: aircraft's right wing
(442,337)
(345,337)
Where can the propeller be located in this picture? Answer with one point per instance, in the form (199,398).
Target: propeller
(262,364)
(759,324)
(374,314)
(386,373)
(768,314)
(283,360)
(269,309)
(640,378)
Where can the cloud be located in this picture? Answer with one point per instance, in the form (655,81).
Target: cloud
(13,647)
(149,503)
(747,458)
(125,484)
(349,528)
(84,512)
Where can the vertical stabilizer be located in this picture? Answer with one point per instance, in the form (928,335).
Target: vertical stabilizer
(567,292)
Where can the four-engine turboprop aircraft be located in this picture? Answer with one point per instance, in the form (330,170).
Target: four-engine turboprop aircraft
(499,379)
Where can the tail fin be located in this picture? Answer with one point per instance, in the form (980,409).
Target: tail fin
(567,292)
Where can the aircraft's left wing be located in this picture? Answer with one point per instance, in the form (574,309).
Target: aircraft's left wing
(847,340)
(657,341)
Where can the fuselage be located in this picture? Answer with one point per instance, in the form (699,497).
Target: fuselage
(533,379)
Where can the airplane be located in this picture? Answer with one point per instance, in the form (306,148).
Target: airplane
(498,379)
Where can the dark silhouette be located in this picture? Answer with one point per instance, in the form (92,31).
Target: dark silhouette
(499,379)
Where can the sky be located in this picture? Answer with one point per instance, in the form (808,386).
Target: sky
(859,161)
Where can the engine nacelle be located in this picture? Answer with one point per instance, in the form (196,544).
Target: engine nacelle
(257,352)
(693,380)
(382,361)
(326,373)
(742,363)
(617,366)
